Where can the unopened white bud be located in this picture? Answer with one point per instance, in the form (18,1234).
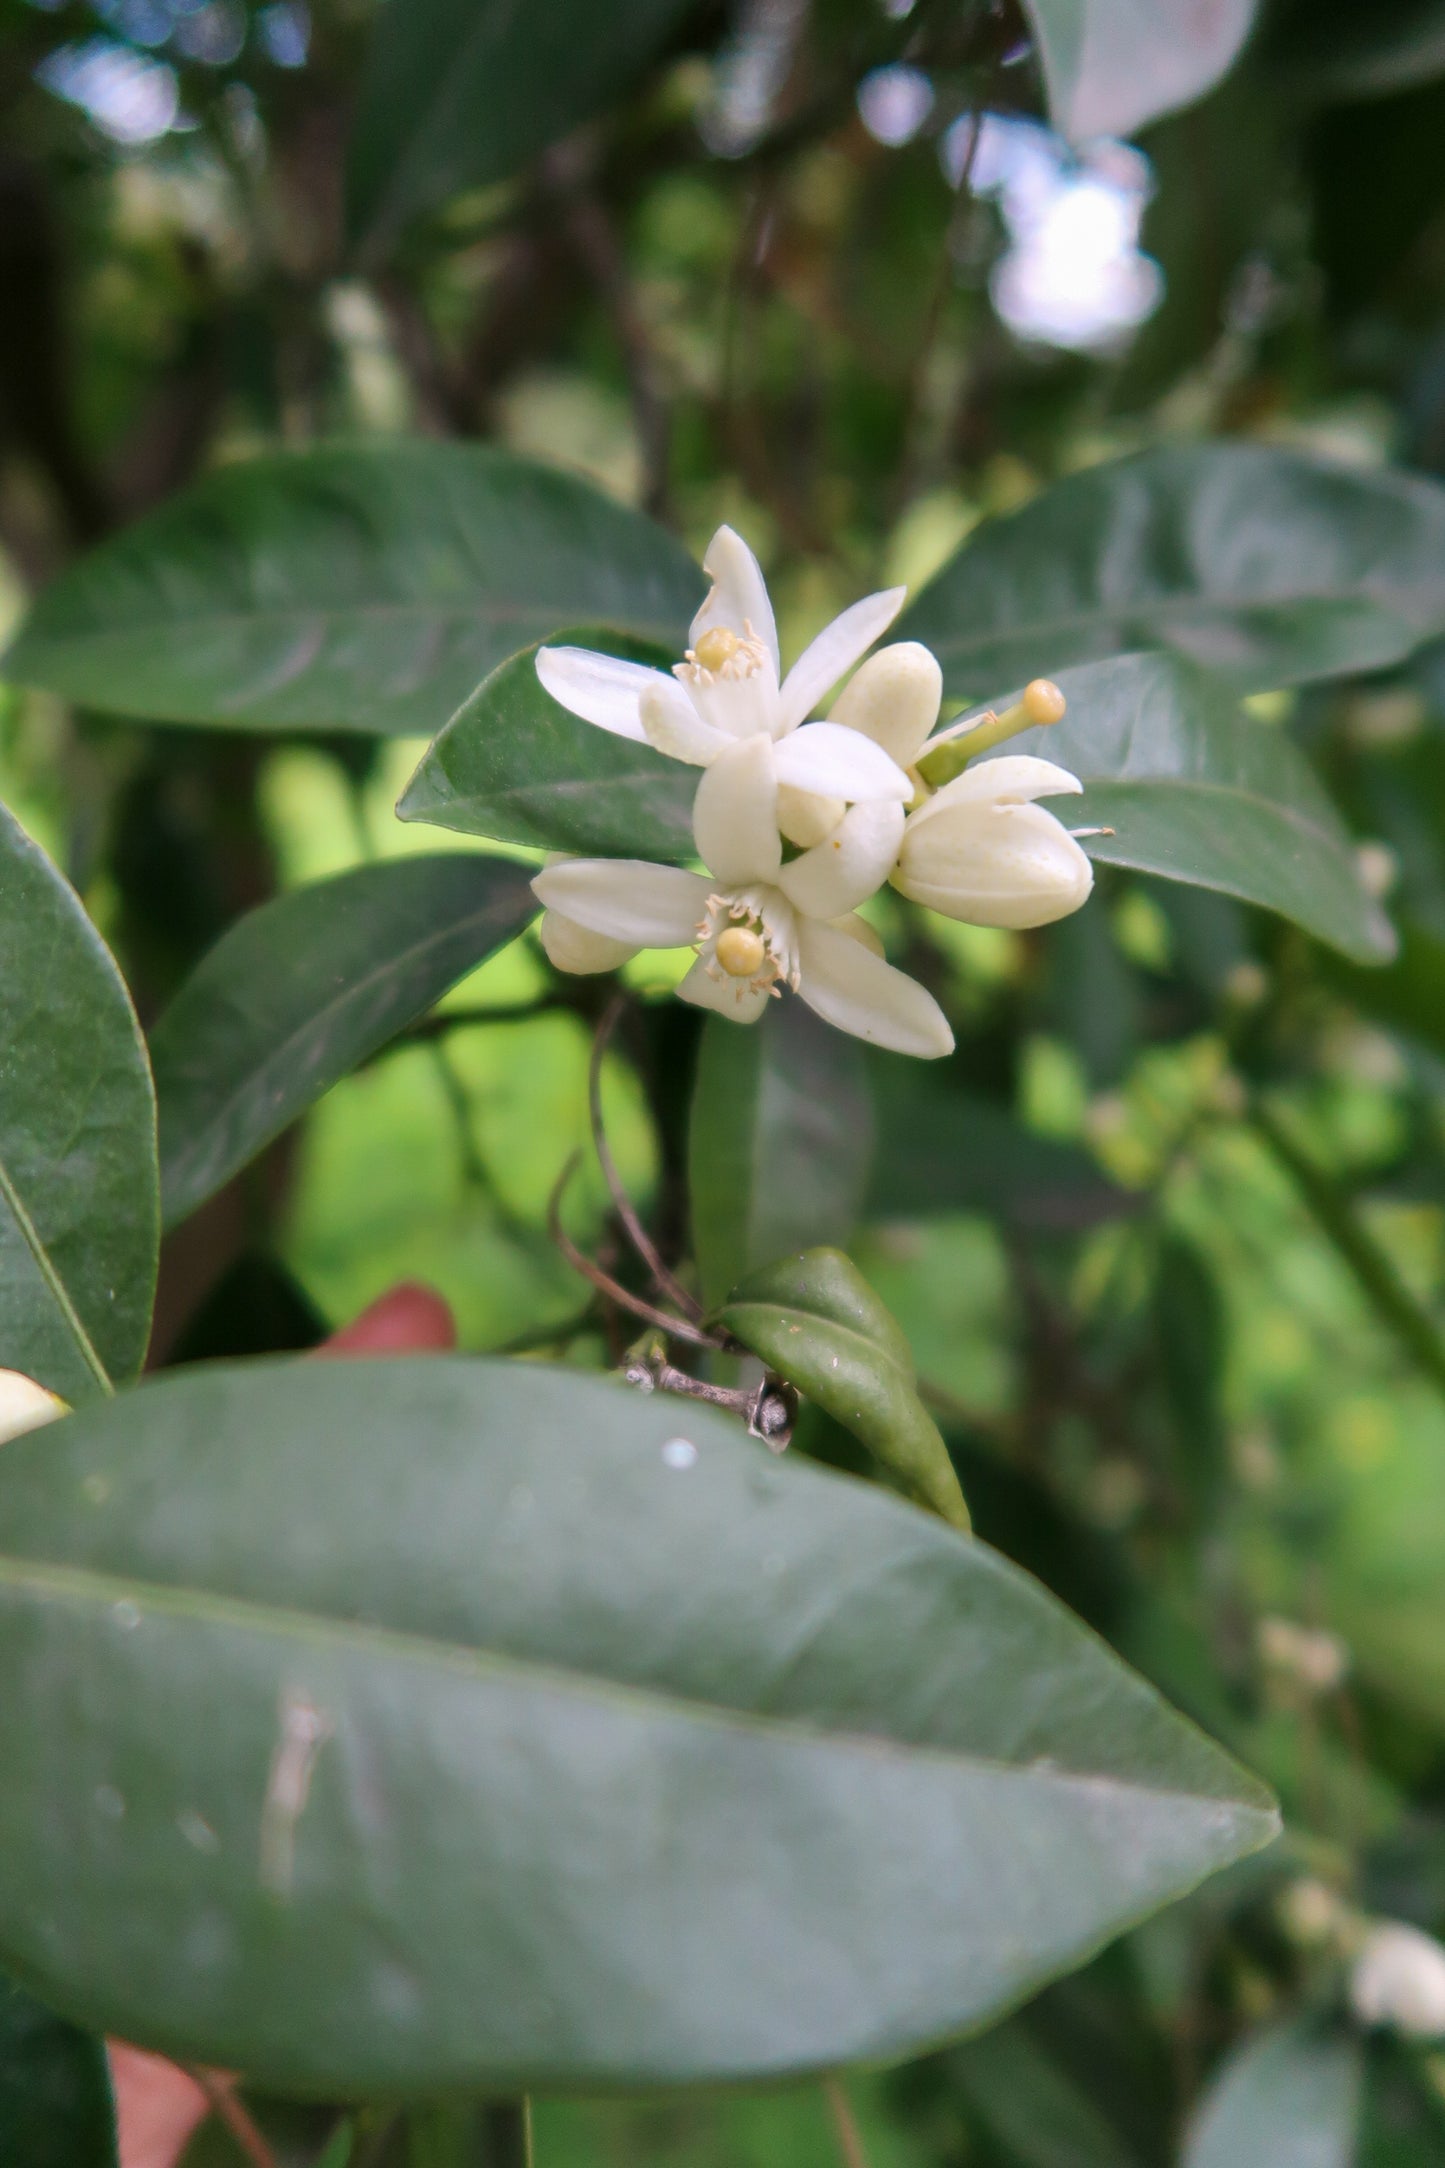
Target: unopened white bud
(1310,1913)
(893,699)
(1399,1980)
(1308,1655)
(577,949)
(981,851)
(24,1405)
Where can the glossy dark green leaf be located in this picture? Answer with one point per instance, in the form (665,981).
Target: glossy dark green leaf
(515,766)
(1409,994)
(1197,790)
(1268,566)
(437,1724)
(1111,65)
(297,993)
(351,587)
(779,1141)
(79,1218)
(55,2105)
(1033,2107)
(815,1320)
(457,93)
(1289,2096)
(942,1149)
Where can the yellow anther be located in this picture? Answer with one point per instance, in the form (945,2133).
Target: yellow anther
(716,648)
(740,950)
(1043,702)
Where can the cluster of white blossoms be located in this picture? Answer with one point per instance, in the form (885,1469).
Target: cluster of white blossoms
(847,794)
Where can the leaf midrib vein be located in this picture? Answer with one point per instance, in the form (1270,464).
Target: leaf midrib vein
(211,1607)
(55,1286)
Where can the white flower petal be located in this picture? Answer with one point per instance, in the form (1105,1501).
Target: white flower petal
(24,1405)
(628,899)
(858,992)
(858,929)
(992,865)
(836,649)
(832,762)
(1013,779)
(575,948)
(735,814)
(893,698)
(733,998)
(600,688)
(738,596)
(673,725)
(850,866)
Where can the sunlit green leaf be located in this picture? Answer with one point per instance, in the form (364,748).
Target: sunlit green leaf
(815,1320)
(515,766)
(78,1199)
(439,1724)
(456,93)
(301,990)
(360,587)
(1267,565)
(1193,788)
(55,2105)
(779,1141)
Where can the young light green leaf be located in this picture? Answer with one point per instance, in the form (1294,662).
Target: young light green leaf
(79,1217)
(779,1141)
(362,587)
(514,765)
(55,2104)
(440,1725)
(1112,65)
(1289,2095)
(456,93)
(814,1319)
(1269,566)
(1192,788)
(300,991)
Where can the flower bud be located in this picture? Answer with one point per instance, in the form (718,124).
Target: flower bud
(574,948)
(1399,1980)
(893,699)
(24,1405)
(981,851)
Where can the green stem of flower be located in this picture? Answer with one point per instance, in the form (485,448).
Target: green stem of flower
(1374,1270)
(947,755)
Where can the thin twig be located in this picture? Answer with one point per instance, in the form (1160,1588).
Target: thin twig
(851,2148)
(680,1328)
(664,1280)
(234,2115)
(443,1021)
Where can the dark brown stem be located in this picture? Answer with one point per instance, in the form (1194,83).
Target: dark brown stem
(679,1328)
(232,2112)
(845,2124)
(664,1280)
